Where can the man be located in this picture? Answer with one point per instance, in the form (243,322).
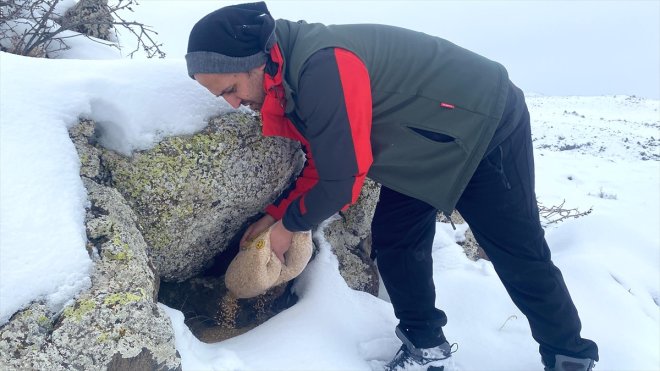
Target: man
(437,125)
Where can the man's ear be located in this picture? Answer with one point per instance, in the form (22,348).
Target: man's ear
(258,69)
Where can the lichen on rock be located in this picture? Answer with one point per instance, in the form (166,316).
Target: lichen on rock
(193,194)
(172,212)
(75,312)
(115,320)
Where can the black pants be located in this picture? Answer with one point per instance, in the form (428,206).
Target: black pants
(500,206)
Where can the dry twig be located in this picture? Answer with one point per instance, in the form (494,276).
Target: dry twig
(558,213)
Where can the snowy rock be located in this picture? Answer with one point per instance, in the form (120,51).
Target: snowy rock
(173,212)
(117,323)
(192,195)
(470,245)
(91,18)
(84,138)
(350,238)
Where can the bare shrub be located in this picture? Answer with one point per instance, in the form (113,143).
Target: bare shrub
(604,195)
(558,213)
(37,27)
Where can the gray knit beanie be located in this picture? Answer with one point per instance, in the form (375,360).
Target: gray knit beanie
(232,39)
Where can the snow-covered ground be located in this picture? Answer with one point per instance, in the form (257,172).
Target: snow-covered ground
(591,152)
(610,260)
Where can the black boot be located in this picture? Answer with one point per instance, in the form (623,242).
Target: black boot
(565,363)
(410,358)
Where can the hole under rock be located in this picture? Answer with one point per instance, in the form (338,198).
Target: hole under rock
(211,312)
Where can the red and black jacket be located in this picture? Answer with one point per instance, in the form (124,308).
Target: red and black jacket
(332,120)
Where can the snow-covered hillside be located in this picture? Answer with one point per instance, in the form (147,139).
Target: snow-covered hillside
(618,127)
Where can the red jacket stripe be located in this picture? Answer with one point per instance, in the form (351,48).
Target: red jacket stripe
(357,95)
(332,120)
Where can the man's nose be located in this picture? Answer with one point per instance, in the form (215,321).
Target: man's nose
(233,100)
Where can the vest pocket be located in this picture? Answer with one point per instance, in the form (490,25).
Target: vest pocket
(434,136)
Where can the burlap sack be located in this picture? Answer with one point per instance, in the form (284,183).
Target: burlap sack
(256,268)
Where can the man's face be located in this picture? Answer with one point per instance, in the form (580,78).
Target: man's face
(243,88)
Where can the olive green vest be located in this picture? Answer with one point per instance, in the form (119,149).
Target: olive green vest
(416,79)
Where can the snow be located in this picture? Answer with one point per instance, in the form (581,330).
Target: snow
(591,152)
(43,199)
(609,259)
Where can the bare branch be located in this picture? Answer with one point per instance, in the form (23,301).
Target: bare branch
(558,213)
(33,25)
(152,48)
(40,25)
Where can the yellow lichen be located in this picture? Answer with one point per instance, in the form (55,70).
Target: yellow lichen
(163,182)
(43,321)
(123,298)
(77,311)
(26,314)
(103,337)
(124,255)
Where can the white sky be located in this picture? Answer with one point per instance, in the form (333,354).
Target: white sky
(549,47)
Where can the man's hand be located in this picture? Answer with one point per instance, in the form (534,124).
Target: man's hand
(280,237)
(280,240)
(256,228)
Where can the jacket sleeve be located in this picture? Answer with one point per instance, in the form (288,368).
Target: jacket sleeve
(334,116)
(307,178)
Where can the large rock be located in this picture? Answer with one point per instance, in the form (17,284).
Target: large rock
(174,212)
(115,325)
(192,195)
